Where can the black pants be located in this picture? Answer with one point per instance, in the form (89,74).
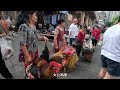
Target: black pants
(72,40)
(94,42)
(3,69)
(78,48)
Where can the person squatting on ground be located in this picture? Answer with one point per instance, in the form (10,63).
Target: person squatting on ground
(110,53)
(28,36)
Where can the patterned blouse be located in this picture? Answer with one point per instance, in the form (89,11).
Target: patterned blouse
(28,37)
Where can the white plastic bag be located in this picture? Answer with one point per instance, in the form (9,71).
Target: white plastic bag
(88,44)
(6,48)
(87,36)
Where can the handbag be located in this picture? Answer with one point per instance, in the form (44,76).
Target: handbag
(21,55)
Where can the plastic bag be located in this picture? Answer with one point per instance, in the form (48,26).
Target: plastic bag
(86,44)
(6,48)
(87,36)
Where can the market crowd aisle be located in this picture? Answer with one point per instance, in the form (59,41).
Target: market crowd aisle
(84,70)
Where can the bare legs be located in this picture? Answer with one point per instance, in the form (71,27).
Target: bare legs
(104,74)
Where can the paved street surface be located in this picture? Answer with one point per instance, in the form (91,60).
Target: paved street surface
(84,70)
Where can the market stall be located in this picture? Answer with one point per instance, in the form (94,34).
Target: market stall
(47,21)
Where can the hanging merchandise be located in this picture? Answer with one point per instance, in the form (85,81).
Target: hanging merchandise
(54,17)
(48,19)
(40,17)
(70,17)
(62,16)
(45,19)
(58,16)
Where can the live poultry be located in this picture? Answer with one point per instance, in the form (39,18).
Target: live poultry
(64,56)
(41,69)
(58,54)
(70,57)
(72,62)
(61,61)
(49,69)
(45,54)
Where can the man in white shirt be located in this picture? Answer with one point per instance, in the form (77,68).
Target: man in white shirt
(73,31)
(110,53)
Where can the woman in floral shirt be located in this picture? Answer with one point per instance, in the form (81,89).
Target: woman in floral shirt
(28,36)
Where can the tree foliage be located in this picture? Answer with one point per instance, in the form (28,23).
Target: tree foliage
(108,24)
(115,20)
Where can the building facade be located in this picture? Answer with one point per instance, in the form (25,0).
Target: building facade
(101,15)
(84,17)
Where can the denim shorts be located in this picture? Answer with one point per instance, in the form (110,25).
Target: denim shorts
(113,67)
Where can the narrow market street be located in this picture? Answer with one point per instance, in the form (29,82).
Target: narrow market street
(77,28)
(84,70)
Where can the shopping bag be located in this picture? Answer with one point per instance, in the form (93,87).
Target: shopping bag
(6,48)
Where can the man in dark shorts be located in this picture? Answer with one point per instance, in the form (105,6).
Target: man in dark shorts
(110,53)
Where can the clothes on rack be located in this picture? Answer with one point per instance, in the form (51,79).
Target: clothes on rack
(54,19)
(40,18)
(58,16)
(45,20)
(62,16)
